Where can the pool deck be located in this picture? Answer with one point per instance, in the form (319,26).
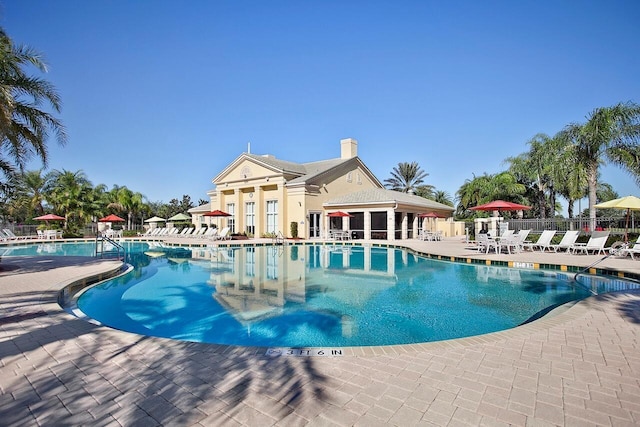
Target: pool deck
(577,367)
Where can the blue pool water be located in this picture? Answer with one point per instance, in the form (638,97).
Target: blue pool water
(313,295)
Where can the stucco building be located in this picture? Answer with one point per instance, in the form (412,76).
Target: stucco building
(264,194)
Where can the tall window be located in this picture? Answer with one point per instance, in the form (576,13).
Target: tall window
(250,218)
(231,220)
(272,216)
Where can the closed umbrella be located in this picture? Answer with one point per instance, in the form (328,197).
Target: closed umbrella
(629,203)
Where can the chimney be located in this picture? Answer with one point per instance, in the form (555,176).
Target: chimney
(348,148)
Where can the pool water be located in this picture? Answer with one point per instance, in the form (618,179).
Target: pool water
(317,296)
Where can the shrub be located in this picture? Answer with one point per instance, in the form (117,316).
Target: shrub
(294,229)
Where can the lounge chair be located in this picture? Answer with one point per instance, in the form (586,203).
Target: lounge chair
(223,234)
(567,241)
(209,233)
(543,241)
(199,232)
(596,244)
(10,235)
(185,232)
(513,241)
(633,250)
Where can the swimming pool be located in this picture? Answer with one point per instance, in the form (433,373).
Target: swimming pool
(311,295)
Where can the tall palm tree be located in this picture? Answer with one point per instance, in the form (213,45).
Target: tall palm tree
(70,193)
(486,188)
(33,186)
(24,126)
(406,177)
(443,197)
(125,200)
(610,134)
(540,169)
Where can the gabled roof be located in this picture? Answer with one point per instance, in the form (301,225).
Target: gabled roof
(202,208)
(302,172)
(384,196)
(280,165)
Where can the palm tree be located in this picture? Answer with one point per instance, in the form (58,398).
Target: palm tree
(610,134)
(406,177)
(33,185)
(24,128)
(70,193)
(486,188)
(125,200)
(539,168)
(442,197)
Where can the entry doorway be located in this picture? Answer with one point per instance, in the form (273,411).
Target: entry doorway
(315,225)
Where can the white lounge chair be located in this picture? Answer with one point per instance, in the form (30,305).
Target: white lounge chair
(567,241)
(596,244)
(186,232)
(11,235)
(223,234)
(513,242)
(543,241)
(633,250)
(209,233)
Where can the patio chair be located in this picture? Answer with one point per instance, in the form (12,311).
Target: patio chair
(542,243)
(596,244)
(486,242)
(567,241)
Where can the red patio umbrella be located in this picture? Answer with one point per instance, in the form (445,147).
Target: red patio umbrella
(338,214)
(217,213)
(500,205)
(50,217)
(111,218)
(429,215)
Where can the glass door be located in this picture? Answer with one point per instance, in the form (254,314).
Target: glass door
(314,225)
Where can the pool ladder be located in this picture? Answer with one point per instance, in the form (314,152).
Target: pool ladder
(100,250)
(278,239)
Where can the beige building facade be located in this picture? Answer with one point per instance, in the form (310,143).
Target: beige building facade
(264,196)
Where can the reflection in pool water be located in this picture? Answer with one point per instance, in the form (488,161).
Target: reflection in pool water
(317,295)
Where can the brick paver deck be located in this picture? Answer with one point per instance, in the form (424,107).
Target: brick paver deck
(579,367)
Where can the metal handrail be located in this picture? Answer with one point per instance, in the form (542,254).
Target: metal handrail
(278,238)
(100,240)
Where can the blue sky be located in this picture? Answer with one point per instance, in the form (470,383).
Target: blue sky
(161,95)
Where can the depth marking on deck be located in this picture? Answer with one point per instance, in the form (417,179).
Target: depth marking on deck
(303,352)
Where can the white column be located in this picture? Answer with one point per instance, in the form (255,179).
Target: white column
(391,224)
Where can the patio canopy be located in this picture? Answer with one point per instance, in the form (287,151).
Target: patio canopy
(628,202)
(155,219)
(180,217)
